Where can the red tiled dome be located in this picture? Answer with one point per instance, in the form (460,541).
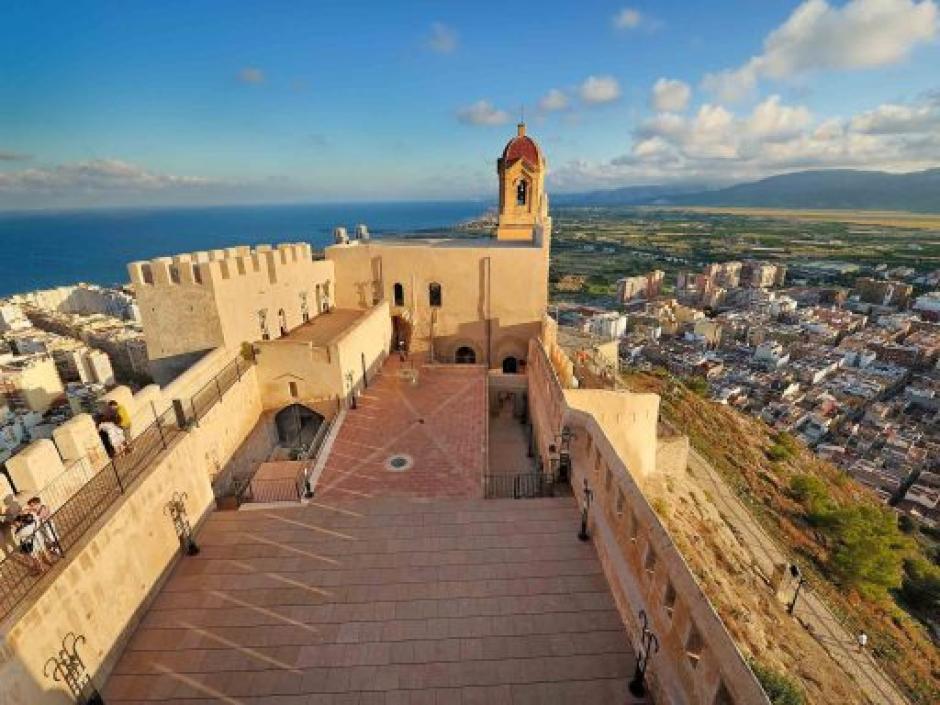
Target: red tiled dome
(522,147)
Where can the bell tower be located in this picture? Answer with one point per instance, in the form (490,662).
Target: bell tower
(523,204)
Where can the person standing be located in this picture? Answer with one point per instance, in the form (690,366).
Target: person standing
(30,542)
(50,538)
(113,438)
(862,641)
(122,418)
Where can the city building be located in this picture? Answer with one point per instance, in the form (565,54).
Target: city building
(639,288)
(30,383)
(883,292)
(12,318)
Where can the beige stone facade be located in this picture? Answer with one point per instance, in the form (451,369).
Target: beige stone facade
(194,302)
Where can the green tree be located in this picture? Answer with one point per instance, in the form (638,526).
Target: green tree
(780,688)
(920,589)
(869,549)
(812,493)
(698,385)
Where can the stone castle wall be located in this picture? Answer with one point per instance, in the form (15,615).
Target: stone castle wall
(104,584)
(698,662)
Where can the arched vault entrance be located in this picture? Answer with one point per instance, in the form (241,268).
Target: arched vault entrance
(297,425)
(465,355)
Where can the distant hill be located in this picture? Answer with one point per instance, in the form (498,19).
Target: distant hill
(849,189)
(626,196)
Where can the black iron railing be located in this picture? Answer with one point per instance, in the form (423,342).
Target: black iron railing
(518,486)
(65,528)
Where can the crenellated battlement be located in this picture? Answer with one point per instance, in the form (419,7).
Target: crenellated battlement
(212,268)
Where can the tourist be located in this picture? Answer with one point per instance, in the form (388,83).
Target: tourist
(44,517)
(862,641)
(112,437)
(122,418)
(30,542)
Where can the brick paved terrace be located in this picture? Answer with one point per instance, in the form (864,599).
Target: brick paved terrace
(391,586)
(436,423)
(383,601)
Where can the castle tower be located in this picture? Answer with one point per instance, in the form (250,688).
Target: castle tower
(523,204)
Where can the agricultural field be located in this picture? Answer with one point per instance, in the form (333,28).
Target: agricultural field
(603,244)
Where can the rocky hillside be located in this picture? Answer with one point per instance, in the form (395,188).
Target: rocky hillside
(807,525)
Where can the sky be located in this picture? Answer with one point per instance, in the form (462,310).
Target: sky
(199,102)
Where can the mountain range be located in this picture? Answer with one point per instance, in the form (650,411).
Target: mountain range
(846,189)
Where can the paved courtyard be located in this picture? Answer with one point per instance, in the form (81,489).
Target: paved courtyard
(436,424)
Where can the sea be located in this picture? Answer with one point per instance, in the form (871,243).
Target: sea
(39,250)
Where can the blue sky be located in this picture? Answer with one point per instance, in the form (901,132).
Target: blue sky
(116,103)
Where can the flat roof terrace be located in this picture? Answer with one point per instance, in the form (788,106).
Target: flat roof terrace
(393,585)
(325,328)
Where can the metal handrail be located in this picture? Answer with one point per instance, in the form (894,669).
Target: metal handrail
(93,499)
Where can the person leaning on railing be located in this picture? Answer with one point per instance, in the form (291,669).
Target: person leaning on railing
(43,516)
(30,541)
(122,418)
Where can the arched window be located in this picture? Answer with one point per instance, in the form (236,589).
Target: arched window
(465,356)
(510,365)
(263,324)
(434,294)
(522,192)
(398,294)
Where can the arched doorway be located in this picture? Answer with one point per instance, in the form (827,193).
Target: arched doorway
(297,425)
(465,355)
(401,334)
(510,365)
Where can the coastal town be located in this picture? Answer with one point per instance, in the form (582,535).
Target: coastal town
(851,371)
(61,351)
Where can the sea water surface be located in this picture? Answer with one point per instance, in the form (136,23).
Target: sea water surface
(44,249)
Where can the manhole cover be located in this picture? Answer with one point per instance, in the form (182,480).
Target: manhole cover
(398,463)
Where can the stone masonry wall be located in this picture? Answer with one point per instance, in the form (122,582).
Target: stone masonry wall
(102,587)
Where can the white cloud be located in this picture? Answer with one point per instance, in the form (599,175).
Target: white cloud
(251,74)
(553,101)
(443,39)
(482,113)
(817,36)
(627,18)
(891,119)
(96,175)
(716,145)
(600,89)
(774,121)
(14,156)
(670,95)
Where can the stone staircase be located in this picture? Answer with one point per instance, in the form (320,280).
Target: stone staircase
(392,600)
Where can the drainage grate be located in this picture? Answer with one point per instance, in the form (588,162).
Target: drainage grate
(399,462)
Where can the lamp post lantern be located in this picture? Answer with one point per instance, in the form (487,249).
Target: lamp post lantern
(588,496)
(795,572)
(176,509)
(649,645)
(352,390)
(68,667)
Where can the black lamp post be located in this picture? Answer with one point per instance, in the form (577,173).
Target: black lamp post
(795,572)
(176,509)
(649,645)
(588,496)
(352,390)
(67,667)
